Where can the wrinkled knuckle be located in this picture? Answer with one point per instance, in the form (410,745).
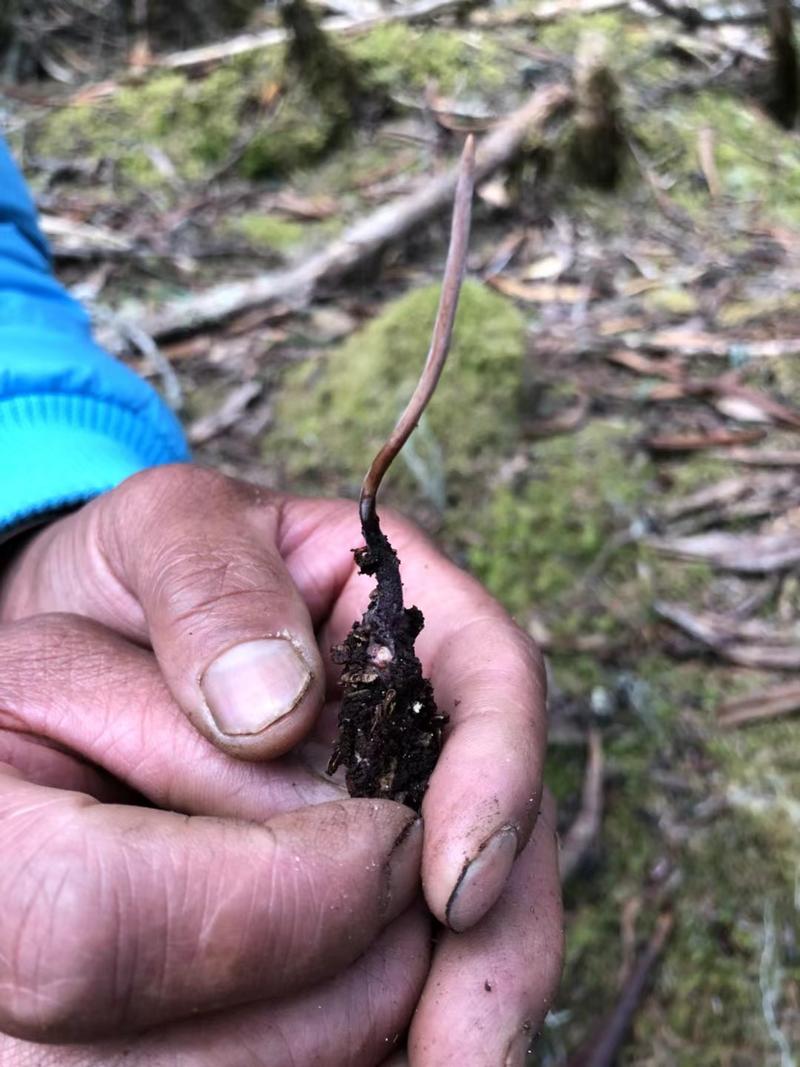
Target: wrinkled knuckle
(206,586)
(40,653)
(173,483)
(171,492)
(58,948)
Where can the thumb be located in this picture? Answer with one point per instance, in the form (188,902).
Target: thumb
(187,561)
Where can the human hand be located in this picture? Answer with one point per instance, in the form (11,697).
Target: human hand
(205,937)
(196,565)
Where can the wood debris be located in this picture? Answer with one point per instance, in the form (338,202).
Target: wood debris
(750,643)
(746,553)
(582,834)
(771,703)
(606,1043)
(389,223)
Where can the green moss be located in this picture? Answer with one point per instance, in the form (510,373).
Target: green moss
(196,123)
(563,34)
(673,301)
(301,131)
(740,312)
(333,416)
(758,163)
(538,540)
(402,58)
(267,231)
(733,873)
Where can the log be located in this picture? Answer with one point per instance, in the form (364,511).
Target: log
(388,224)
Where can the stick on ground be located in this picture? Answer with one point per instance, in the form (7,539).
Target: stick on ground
(388,224)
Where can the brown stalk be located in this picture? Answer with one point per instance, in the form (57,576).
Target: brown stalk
(440,340)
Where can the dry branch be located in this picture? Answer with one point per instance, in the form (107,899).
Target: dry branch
(584,830)
(750,643)
(389,223)
(244,43)
(694,343)
(757,494)
(697,442)
(764,704)
(744,553)
(604,1046)
(752,457)
(726,393)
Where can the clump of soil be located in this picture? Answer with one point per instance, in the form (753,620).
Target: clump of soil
(390,730)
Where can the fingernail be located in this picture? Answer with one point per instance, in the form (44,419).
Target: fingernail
(403,864)
(518,1049)
(252,685)
(482,879)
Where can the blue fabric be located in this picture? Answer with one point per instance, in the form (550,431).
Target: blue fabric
(73,421)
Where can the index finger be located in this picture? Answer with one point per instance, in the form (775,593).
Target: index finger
(487,676)
(484,794)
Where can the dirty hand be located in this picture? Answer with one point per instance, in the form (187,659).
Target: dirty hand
(236,590)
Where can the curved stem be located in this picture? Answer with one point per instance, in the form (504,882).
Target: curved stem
(440,340)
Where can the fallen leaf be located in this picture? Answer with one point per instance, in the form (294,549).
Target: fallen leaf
(543,293)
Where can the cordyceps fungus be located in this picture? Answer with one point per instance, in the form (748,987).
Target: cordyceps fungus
(390,730)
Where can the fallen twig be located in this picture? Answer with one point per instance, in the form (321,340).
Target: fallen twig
(80,240)
(696,343)
(758,495)
(584,830)
(725,393)
(131,334)
(605,1044)
(745,553)
(764,704)
(547,11)
(360,242)
(753,457)
(692,18)
(696,442)
(226,415)
(244,43)
(750,643)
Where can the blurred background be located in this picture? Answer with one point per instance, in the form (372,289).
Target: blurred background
(254,203)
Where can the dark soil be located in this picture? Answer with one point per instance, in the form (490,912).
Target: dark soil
(390,730)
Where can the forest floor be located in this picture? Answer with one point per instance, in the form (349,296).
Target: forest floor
(612,450)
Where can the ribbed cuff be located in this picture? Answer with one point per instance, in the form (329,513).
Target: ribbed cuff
(58,450)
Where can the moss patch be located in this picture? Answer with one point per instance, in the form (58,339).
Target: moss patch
(334,414)
(538,540)
(197,124)
(758,163)
(266,231)
(402,57)
(670,778)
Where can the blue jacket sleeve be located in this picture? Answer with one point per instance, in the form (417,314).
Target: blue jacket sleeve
(73,421)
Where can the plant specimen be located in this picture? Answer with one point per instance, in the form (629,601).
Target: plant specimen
(390,730)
